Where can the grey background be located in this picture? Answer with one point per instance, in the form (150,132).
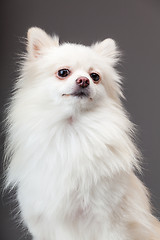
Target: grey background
(135,25)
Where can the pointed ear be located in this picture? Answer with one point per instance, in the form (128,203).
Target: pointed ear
(107,49)
(38,40)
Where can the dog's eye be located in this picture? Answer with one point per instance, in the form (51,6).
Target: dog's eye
(62,73)
(95,77)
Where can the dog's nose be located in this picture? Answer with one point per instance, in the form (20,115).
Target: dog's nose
(82,82)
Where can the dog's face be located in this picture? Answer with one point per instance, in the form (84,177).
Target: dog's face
(73,74)
(76,74)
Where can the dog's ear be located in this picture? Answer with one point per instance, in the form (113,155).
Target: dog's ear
(107,49)
(38,40)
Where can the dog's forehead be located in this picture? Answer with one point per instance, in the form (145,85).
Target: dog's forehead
(76,53)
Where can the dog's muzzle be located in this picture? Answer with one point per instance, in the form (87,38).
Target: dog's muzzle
(82,88)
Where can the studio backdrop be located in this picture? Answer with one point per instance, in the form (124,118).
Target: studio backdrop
(135,26)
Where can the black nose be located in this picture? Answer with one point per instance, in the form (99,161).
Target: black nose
(82,82)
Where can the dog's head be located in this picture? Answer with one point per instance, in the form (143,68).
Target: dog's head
(72,74)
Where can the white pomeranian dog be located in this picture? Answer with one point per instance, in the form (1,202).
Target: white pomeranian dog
(70,148)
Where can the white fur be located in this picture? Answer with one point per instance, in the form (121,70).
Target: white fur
(72,159)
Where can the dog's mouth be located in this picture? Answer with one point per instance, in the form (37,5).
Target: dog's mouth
(79,93)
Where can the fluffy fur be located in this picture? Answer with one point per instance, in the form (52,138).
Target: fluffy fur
(73,158)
